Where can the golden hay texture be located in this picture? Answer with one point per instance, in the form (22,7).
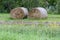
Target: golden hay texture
(38,12)
(19,13)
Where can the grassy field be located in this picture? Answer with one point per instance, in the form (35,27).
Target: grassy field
(55,17)
(33,31)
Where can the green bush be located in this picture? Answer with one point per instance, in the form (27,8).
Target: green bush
(7,5)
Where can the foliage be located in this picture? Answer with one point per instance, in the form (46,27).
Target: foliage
(29,32)
(50,5)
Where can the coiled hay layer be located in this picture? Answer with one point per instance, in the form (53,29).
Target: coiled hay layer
(19,13)
(38,12)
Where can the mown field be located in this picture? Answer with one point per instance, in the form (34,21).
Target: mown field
(30,29)
(51,17)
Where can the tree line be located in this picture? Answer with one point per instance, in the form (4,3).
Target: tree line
(50,5)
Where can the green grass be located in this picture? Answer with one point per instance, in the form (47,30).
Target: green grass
(6,17)
(30,31)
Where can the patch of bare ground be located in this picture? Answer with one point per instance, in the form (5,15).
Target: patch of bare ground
(29,22)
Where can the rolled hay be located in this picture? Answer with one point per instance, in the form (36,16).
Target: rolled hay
(19,13)
(38,12)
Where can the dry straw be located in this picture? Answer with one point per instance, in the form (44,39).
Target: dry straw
(19,13)
(38,12)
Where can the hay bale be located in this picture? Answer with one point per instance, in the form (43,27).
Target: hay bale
(38,12)
(19,13)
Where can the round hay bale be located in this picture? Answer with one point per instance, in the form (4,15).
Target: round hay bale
(19,13)
(38,12)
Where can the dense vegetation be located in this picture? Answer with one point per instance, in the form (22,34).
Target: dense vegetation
(30,29)
(50,5)
(46,29)
(29,32)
